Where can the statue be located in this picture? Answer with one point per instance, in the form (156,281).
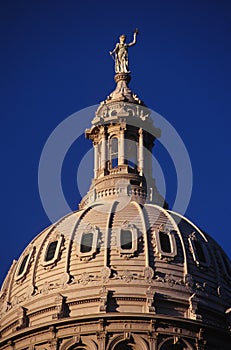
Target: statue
(121,53)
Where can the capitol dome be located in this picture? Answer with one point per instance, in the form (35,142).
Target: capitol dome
(140,264)
(123,271)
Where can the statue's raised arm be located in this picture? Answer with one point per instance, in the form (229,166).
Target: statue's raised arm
(121,53)
(134,37)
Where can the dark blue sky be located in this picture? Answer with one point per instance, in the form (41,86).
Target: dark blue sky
(54,61)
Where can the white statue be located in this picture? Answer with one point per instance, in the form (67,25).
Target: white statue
(121,53)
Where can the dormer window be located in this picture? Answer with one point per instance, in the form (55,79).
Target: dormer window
(24,264)
(165,244)
(127,240)
(199,251)
(87,242)
(52,250)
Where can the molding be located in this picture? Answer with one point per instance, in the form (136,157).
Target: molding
(51,263)
(88,255)
(193,238)
(165,255)
(30,252)
(128,253)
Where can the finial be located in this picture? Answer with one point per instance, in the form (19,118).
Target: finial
(120,53)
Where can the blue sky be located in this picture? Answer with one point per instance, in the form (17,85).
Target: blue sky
(54,61)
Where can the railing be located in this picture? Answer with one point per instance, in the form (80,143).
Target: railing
(129,190)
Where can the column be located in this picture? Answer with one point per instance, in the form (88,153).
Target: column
(121,148)
(95,160)
(153,340)
(141,152)
(103,152)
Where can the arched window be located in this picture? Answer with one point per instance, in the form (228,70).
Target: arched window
(86,242)
(174,344)
(165,244)
(114,152)
(126,239)
(50,253)
(128,344)
(199,251)
(23,265)
(52,250)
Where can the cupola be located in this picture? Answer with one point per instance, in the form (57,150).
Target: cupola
(123,136)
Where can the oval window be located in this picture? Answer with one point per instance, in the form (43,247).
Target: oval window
(23,265)
(126,239)
(86,242)
(51,251)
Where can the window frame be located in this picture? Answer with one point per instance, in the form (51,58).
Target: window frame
(128,253)
(82,245)
(199,263)
(165,255)
(56,257)
(26,267)
(88,255)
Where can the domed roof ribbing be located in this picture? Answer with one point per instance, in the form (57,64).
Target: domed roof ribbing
(169,267)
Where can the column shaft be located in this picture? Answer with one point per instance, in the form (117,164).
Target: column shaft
(95,160)
(141,152)
(103,154)
(121,148)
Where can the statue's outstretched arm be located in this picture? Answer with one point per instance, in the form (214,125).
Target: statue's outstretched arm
(115,49)
(134,38)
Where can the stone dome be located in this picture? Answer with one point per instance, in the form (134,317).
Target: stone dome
(123,272)
(118,259)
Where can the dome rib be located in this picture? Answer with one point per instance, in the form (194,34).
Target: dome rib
(178,285)
(107,233)
(72,235)
(190,223)
(8,284)
(37,256)
(144,232)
